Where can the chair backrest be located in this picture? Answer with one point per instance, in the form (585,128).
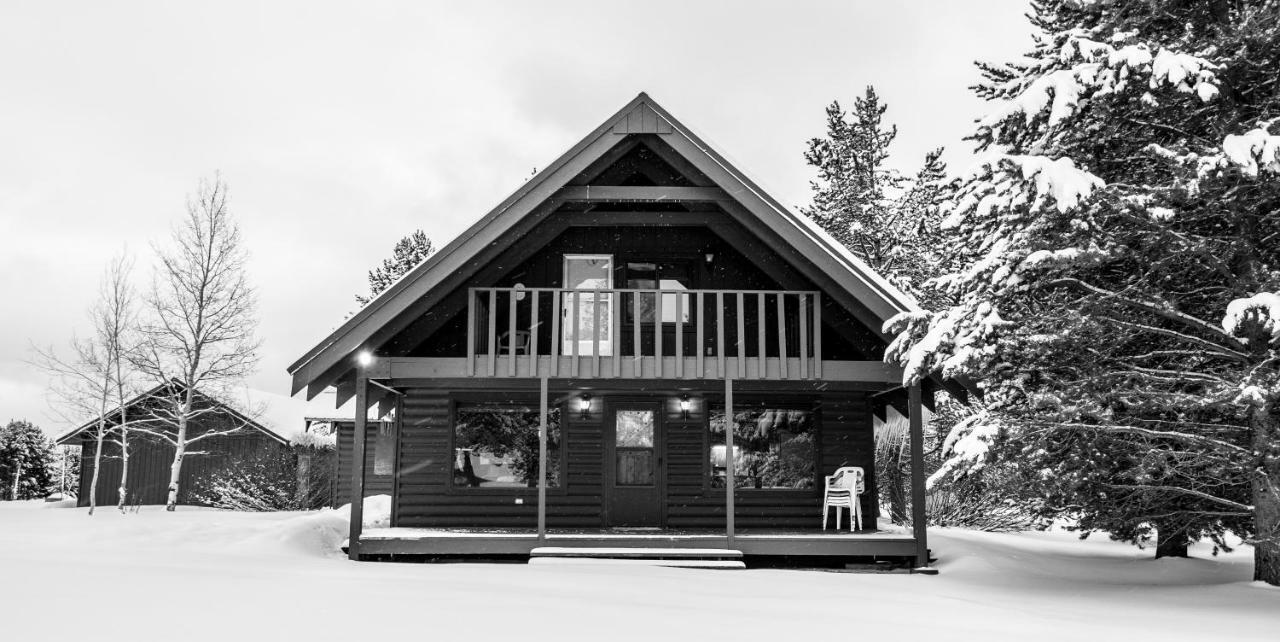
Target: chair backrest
(849,477)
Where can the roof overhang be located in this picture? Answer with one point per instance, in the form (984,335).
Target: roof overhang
(845,274)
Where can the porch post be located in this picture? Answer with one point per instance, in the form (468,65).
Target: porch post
(358,437)
(729,478)
(542,459)
(916,422)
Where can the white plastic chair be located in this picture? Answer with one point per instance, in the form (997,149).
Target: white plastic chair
(843,489)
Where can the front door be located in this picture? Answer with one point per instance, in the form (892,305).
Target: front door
(634,465)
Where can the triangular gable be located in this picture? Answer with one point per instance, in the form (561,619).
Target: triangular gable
(68,436)
(864,290)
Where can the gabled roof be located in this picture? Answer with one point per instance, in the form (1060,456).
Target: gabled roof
(331,358)
(172,386)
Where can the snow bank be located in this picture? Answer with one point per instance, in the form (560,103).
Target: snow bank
(1045,586)
(322,532)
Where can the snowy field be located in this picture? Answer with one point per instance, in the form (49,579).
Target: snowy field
(201,574)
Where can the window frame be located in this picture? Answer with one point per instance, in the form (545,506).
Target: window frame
(515,402)
(811,405)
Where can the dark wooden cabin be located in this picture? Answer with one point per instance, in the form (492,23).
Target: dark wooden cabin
(150,457)
(379,459)
(560,374)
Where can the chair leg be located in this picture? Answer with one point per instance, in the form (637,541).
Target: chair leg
(855,521)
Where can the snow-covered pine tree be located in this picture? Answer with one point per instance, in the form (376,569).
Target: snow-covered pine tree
(1122,308)
(25,454)
(890,221)
(886,219)
(407,254)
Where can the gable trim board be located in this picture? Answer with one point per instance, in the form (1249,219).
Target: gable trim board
(866,294)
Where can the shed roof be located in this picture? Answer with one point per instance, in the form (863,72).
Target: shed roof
(331,358)
(177,386)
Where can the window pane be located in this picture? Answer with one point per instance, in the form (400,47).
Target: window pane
(497,447)
(635,428)
(384,449)
(772,447)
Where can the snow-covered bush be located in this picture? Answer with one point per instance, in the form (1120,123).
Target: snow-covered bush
(295,478)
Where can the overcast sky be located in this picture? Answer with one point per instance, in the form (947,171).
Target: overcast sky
(341,127)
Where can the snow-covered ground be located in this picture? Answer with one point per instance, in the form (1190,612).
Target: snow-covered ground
(201,574)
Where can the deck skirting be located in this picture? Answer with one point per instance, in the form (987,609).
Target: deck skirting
(444,542)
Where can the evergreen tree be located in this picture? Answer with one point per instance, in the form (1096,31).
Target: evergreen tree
(1121,305)
(407,254)
(25,456)
(886,219)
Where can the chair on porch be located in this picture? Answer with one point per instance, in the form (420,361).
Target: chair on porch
(843,489)
(522,339)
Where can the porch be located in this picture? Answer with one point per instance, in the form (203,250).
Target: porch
(888,542)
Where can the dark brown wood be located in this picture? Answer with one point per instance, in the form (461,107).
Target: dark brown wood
(729,471)
(358,465)
(542,457)
(641,194)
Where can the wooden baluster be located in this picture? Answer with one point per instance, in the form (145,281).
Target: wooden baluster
(471,332)
(679,336)
(533,336)
(657,332)
(595,333)
(782,335)
(635,335)
(511,335)
(761,362)
(741,367)
(817,335)
(720,331)
(615,337)
(493,333)
(577,329)
(557,311)
(700,311)
(804,337)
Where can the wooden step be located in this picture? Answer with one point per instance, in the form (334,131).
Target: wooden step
(679,557)
(614,561)
(635,552)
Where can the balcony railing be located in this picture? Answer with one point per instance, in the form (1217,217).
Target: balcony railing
(644,333)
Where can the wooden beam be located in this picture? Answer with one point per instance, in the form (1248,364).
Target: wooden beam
(639,193)
(730,481)
(885,375)
(358,438)
(542,458)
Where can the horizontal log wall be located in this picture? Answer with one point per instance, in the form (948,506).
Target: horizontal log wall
(374,484)
(425,498)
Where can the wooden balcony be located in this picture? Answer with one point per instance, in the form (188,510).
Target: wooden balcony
(644,333)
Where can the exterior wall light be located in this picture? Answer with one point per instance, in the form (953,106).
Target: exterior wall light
(684,406)
(584,406)
(364,358)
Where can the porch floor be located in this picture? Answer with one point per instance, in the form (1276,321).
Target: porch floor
(891,541)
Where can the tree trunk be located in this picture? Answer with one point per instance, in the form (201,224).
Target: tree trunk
(97,466)
(17,475)
(124,466)
(1171,539)
(1266,495)
(180,448)
(175,473)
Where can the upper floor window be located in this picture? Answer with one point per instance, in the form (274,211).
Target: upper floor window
(660,276)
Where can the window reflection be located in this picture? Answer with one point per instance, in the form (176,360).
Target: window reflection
(772,448)
(496,446)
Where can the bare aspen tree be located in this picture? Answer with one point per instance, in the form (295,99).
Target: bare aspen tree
(199,338)
(85,382)
(117,321)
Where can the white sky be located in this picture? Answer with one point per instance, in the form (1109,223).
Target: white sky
(341,127)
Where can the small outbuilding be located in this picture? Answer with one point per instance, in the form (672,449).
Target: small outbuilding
(150,457)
